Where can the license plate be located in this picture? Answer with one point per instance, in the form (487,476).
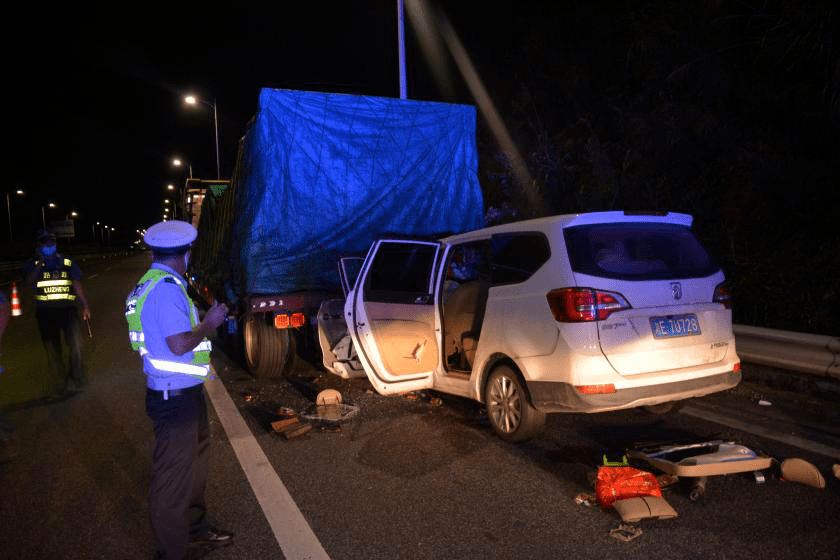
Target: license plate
(674,326)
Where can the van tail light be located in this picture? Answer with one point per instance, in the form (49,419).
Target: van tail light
(737,367)
(723,294)
(577,305)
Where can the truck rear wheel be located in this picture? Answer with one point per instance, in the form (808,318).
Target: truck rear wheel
(267,350)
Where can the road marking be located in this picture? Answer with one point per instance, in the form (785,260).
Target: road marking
(290,528)
(788,439)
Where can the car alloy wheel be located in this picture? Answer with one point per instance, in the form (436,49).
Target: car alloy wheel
(504,404)
(511,414)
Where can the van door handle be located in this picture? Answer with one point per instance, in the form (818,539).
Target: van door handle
(422,299)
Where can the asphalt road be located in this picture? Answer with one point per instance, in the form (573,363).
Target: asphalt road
(418,476)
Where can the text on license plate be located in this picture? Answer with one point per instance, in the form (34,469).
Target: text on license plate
(673,326)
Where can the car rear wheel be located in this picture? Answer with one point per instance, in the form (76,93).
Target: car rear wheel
(509,409)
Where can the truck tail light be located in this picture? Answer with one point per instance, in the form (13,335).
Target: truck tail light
(576,305)
(298,319)
(284,320)
(723,294)
(281,321)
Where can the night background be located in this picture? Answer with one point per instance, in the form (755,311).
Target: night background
(727,110)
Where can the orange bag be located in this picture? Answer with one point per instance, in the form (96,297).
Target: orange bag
(621,483)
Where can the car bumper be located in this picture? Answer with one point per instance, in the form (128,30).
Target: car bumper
(553,396)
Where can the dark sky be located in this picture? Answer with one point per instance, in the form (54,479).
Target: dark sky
(94,99)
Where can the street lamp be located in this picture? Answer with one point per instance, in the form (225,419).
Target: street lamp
(9,210)
(192,100)
(177,162)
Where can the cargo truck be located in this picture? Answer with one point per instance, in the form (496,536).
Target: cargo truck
(320,176)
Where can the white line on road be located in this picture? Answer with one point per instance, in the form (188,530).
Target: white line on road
(788,439)
(290,528)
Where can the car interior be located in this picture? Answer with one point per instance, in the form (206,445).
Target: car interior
(466,289)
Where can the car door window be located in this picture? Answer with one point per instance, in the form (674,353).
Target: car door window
(401,273)
(348,271)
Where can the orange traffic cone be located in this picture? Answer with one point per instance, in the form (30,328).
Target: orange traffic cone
(16,310)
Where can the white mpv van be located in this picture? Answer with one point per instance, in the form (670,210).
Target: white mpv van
(573,313)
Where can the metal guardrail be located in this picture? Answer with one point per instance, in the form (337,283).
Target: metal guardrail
(809,353)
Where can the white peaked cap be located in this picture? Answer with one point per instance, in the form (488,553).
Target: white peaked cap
(170,235)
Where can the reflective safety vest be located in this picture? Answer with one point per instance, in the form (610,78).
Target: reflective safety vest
(55,285)
(199,366)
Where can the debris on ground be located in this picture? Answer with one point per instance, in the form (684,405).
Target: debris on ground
(332,413)
(764,402)
(626,532)
(296,429)
(435,401)
(622,482)
(803,472)
(588,500)
(328,397)
(279,425)
(289,425)
(646,507)
(699,459)
(249,397)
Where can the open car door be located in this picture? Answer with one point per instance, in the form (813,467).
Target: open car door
(337,350)
(392,317)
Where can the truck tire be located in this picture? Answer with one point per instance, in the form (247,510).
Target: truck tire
(267,350)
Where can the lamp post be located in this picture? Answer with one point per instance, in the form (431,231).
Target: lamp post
(43,217)
(192,100)
(9,210)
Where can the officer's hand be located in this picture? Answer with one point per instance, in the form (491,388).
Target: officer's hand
(216,314)
(86,314)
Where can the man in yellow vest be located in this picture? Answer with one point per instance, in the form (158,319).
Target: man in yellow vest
(57,283)
(164,328)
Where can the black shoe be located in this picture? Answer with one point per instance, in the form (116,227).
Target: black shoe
(213,537)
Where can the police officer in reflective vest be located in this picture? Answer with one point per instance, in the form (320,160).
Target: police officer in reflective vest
(164,328)
(56,281)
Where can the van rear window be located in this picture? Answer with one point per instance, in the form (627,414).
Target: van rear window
(638,251)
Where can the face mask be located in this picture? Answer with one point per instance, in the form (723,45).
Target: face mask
(48,250)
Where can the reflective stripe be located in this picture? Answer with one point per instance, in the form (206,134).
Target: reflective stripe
(55,296)
(54,283)
(179,367)
(136,336)
(205,346)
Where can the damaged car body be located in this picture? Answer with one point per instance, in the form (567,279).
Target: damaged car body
(574,313)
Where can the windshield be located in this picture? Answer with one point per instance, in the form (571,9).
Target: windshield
(638,251)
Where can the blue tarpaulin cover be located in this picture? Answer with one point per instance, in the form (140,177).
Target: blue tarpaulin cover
(323,175)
